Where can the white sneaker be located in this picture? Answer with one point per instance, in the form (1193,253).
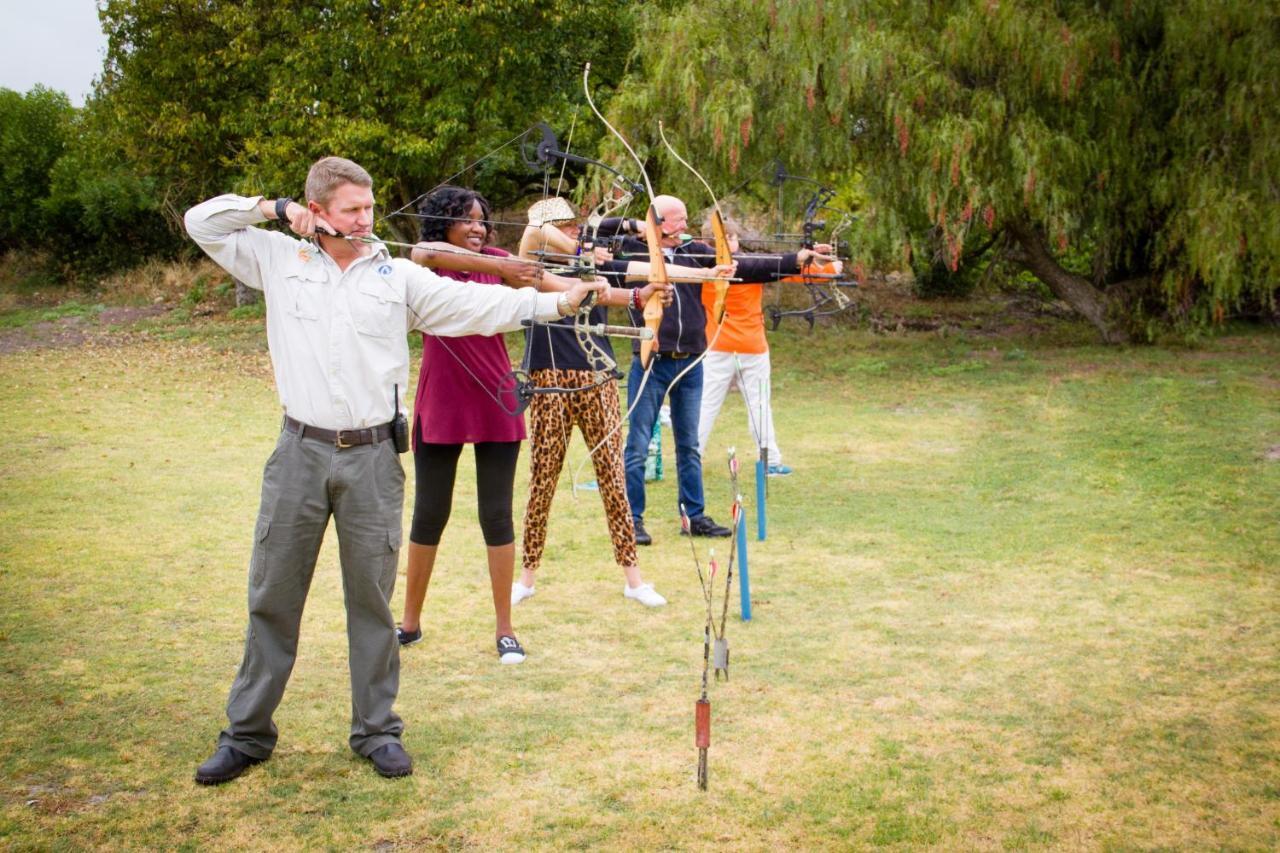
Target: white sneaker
(510,650)
(645,594)
(519,592)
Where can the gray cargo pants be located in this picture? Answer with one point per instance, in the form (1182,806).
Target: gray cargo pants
(305,481)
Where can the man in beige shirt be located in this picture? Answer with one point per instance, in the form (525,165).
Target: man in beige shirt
(339,310)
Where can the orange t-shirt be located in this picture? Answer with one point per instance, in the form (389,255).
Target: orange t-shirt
(743,319)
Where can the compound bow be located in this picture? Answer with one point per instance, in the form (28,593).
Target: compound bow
(824,288)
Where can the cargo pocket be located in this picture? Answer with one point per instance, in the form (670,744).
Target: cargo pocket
(258,564)
(391,559)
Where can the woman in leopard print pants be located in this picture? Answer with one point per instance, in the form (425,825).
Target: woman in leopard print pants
(556,361)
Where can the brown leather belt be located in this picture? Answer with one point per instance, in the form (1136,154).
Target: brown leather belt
(342,438)
(676,355)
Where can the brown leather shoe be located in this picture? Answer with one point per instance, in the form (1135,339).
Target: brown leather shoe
(390,760)
(224,765)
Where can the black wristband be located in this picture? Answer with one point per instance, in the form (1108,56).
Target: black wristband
(282,205)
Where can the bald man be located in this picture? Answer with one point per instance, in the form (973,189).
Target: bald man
(681,339)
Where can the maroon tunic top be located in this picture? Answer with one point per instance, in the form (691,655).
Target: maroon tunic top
(460,377)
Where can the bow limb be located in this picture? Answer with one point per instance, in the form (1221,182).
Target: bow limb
(724,255)
(653,235)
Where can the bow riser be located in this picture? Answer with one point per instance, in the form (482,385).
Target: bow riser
(658,274)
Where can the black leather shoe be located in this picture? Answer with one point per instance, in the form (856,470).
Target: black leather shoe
(642,535)
(390,760)
(703,525)
(224,765)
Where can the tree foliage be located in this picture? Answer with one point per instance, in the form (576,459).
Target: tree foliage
(63,190)
(1138,135)
(212,95)
(34,130)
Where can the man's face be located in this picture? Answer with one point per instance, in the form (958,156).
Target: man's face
(350,210)
(674,221)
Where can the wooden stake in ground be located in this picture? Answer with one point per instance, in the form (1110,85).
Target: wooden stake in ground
(702,708)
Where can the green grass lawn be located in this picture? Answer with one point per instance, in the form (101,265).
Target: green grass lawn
(1019,593)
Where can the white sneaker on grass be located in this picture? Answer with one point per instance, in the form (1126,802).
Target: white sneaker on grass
(510,650)
(645,594)
(519,592)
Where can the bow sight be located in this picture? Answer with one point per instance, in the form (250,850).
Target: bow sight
(818,202)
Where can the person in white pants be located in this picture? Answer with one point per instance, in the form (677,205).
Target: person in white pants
(739,358)
(749,374)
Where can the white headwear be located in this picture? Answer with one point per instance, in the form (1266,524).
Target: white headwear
(553,210)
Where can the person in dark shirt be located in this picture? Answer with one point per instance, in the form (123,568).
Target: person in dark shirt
(681,339)
(555,360)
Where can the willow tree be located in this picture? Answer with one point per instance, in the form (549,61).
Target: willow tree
(1124,152)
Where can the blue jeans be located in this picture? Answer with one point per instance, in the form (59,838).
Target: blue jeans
(686,402)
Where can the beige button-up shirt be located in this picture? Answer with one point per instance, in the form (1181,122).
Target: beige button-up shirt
(339,340)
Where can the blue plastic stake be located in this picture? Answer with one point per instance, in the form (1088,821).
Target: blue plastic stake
(744,582)
(761,524)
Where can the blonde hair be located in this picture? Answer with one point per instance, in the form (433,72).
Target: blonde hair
(329,173)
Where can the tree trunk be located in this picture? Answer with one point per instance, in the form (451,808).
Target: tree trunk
(246,295)
(1076,291)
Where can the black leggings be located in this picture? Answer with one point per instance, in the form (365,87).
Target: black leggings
(436,466)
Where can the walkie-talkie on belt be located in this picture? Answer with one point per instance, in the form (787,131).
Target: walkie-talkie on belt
(399,424)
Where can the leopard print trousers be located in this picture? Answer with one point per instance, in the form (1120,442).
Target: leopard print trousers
(552,417)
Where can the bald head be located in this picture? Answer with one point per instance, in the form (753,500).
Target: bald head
(674,218)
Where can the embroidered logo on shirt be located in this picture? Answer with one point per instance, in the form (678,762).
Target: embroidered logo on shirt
(384,270)
(304,254)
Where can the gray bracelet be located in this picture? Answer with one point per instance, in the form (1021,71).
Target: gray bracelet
(282,204)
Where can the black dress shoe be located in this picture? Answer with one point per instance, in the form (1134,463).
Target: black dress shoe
(642,535)
(224,765)
(703,525)
(390,760)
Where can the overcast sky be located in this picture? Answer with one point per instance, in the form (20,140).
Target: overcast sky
(58,43)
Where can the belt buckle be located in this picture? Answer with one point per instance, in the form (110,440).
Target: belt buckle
(340,442)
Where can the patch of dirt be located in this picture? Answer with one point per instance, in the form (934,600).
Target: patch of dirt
(1272,454)
(76,331)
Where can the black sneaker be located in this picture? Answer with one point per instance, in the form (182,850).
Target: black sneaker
(703,525)
(642,535)
(408,638)
(510,650)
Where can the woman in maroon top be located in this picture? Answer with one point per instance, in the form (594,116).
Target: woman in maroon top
(460,400)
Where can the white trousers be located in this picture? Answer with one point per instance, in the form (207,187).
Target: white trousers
(720,372)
